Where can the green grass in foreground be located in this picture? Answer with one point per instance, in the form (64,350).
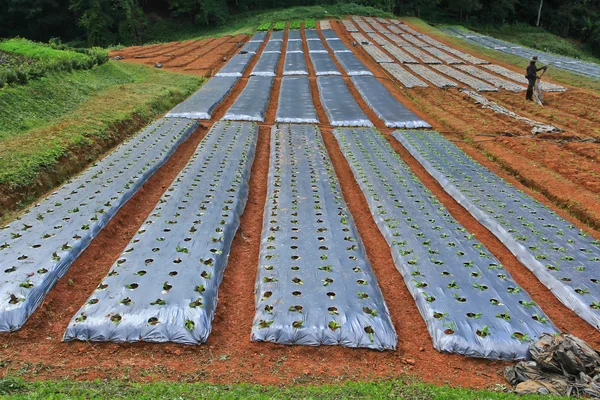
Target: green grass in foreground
(386,389)
(82,111)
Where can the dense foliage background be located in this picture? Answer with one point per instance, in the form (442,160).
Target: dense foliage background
(105,22)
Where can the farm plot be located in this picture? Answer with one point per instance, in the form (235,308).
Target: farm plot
(490,78)
(39,247)
(393,113)
(295,101)
(562,257)
(236,66)
(351,64)
(315,285)
(339,105)
(448,59)
(432,76)
(266,64)
(273,46)
(202,103)
(377,55)
(476,84)
(164,285)
(518,77)
(323,64)
(251,104)
(295,64)
(468,300)
(403,76)
(421,55)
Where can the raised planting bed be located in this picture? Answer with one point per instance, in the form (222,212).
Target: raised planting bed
(251,104)
(295,101)
(201,104)
(339,105)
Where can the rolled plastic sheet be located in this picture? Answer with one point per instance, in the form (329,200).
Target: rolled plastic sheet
(295,64)
(393,113)
(202,103)
(164,286)
(236,66)
(251,104)
(315,285)
(352,65)
(565,259)
(273,46)
(266,64)
(323,64)
(470,303)
(39,246)
(339,105)
(295,101)
(316,46)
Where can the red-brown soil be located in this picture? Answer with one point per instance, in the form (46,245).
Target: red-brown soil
(36,351)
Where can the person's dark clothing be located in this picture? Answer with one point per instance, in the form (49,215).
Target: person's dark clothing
(529,93)
(531,76)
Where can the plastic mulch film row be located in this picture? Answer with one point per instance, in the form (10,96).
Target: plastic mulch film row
(377,55)
(251,47)
(382,21)
(295,64)
(273,46)
(259,37)
(276,35)
(464,56)
(316,46)
(519,77)
(394,29)
(295,46)
(393,113)
(563,258)
(410,30)
(38,248)
(164,285)
(351,64)
(236,66)
(323,64)
(330,35)
(431,41)
(360,39)
(468,300)
(312,34)
(325,24)
(398,41)
(490,78)
(251,104)
(433,77)
(294,35)
(295,101)
(266,64)
(339,105)
(448,59)
(364,26)
(349,25)
(403,76)
(315,285)
(421,55)
(201,104)
(379,39)
(476,84)
(338,47)
(413,40)
(400,55)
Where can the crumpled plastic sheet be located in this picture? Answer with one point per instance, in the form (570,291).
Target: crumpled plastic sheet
(337,46)
(493,79)
(520,77)
(202,103)
(316,46)
(476,84)
(295,101)
(339,105)
(259,37)
(377,55)
(251,104)
(312,34)
(294,35)
(236,65)
(432,76)
(447,58)
(164,285)
(413,40)
(267,64)
(325,24)
(400,55)
(421,55)
(295,46)
(351,64)
(393,113)
(403,76)
(323,64)
(468,300)
(276,35)
(349,25)
(251,47)
(38,248)
(565,259)
(295,64)
(315,285)
(330,35)
(273,46)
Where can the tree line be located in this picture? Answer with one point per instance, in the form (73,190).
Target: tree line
(105,22)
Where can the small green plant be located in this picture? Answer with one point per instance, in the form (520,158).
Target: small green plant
(265,26)
(295,24)
(279,26)
(310,24)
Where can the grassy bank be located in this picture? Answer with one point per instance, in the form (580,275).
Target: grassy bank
(53,127)
(386,389)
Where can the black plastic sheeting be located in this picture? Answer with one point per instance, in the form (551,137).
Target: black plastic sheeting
(295,101)
(251,104)
(276,35)
(259,37)
(295,64)
(323,64)
(266,64)
(316,46)
(311,34)
(562,257)
(352,65)
(315,285)
(468,300)
(339,105)
(236,65)
(202,103)
(251,47)
(164,285)
(393,113)
(294,35)
(273,46)
(295,46)
(329,35)
(39,246)
(337,46)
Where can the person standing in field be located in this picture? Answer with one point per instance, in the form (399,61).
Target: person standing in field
(531,76)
